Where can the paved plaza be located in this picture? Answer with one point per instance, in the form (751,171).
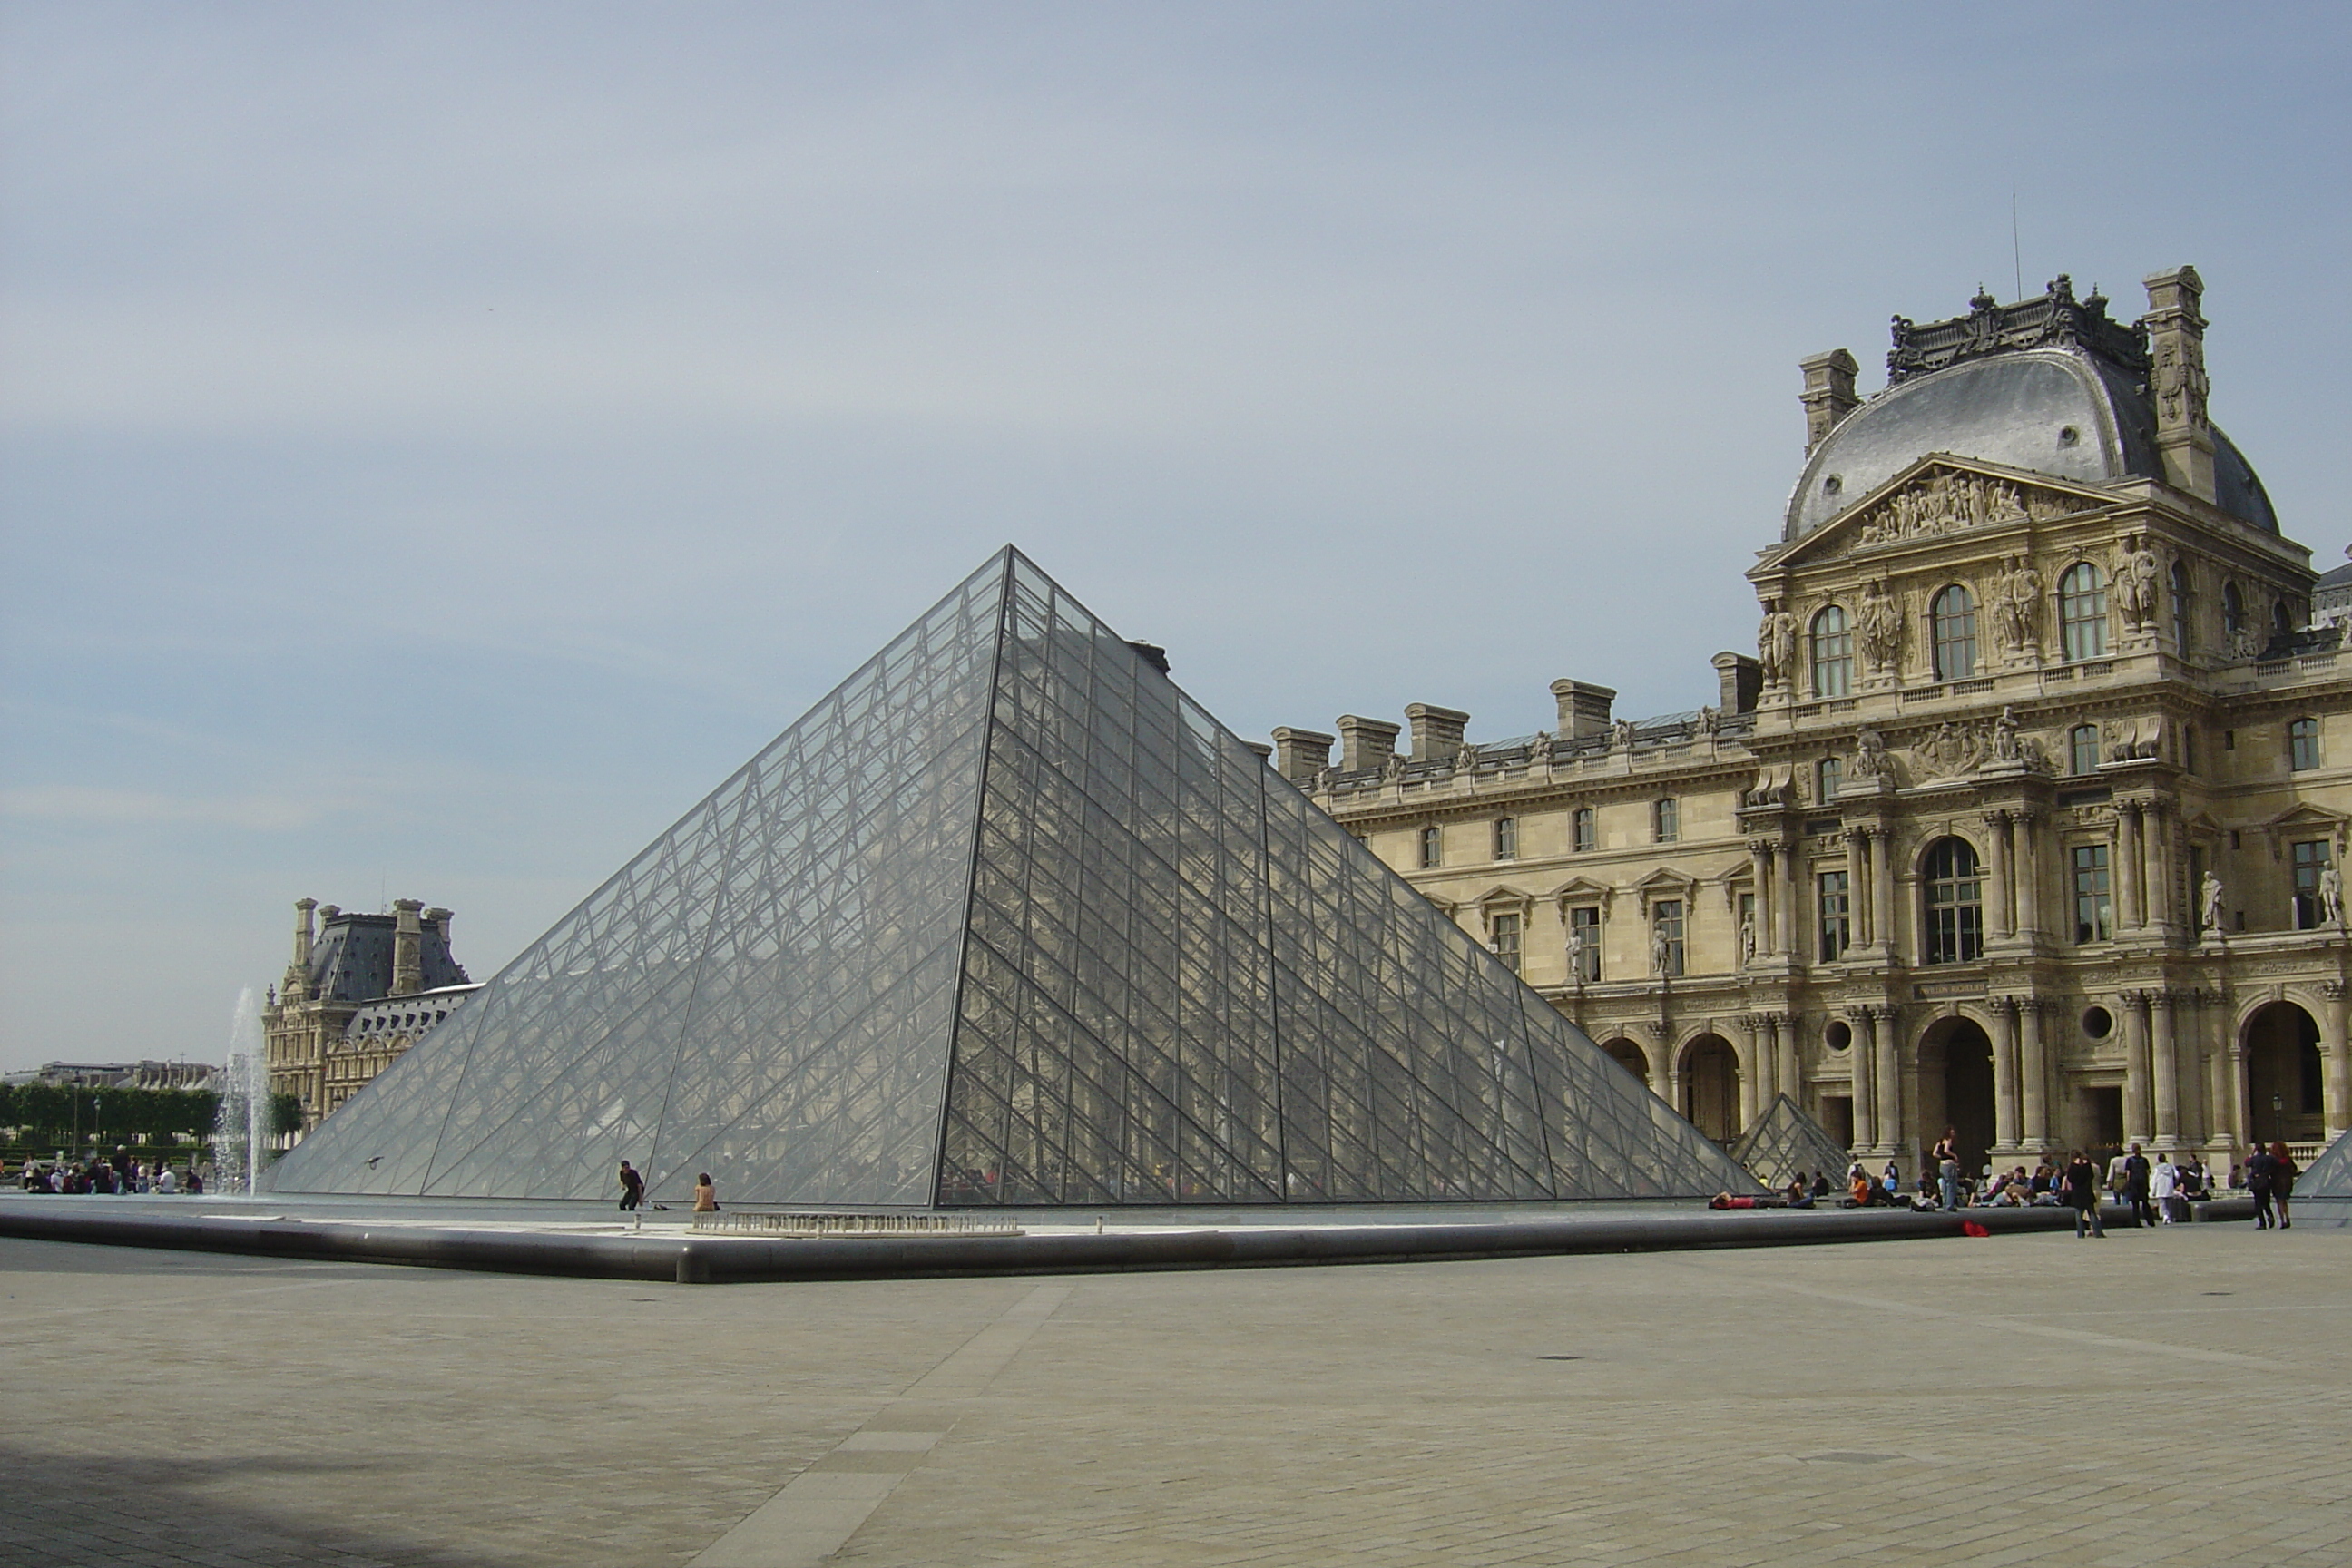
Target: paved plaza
(2180,1396)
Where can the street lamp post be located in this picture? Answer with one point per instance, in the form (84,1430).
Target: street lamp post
(2278,1116)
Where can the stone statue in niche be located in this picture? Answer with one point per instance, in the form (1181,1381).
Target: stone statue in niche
(1870,758)
(2210,899)
(2331,897)
(1776,643)
(2016,605)
(1661,952)
(1748,936)
(2136,576)
(2004,736)
(1879,621)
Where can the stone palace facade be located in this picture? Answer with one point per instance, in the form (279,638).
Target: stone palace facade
(2024,820)
(359,991)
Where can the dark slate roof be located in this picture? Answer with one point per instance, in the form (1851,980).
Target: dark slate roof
(2010,398)
(351,961)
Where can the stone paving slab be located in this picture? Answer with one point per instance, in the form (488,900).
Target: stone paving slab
(2172,1396)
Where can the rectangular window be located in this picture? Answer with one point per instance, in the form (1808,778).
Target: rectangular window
(2093,912)
(1667,816)
(1584,942)
(1505,933)
(1666,917)
(2311,861)
(1585,833)
(1507,838)
(2303,744)
(1433,848)
(1837,928)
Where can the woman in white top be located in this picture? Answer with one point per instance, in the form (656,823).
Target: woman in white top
(2164,1187)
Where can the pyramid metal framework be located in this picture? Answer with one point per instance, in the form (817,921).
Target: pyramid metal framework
(2330,1174)
(1784,1143)
(1007,918)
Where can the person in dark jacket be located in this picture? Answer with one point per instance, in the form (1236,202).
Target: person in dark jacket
(2284,1171)
(2082,1189)
(632,1186)
(2260,1169)
(2136,1171)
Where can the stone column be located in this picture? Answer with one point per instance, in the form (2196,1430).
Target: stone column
(2005,1094)
(2164,1072)
(1748,1049)
(1864,1052)
(2156,890)
(1889,1096)
(2335,1051)
(1788,1072)
(2234,1053)
(1787,900)
(2136,1109)
(2125,857)
(1760,870)
(1886,926)
(1857,886)
(2029,871)
(1999,922)
(2033,1077)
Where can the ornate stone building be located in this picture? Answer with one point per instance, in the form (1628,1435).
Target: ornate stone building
(2026,819)
(361,989)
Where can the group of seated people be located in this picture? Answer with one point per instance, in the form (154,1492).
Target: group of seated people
(2013,1188)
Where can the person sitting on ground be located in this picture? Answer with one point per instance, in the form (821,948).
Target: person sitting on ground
(706,1196)
(1729,1201)
(1821,1185)
(1799,1195)
(165,1182)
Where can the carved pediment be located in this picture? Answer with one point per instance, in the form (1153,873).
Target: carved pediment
(1942,494)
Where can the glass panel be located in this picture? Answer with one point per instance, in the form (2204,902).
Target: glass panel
(1786,1145)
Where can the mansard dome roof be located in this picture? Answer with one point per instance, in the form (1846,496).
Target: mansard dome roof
(2049,385)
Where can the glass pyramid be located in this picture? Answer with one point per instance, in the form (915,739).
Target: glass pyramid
(2329,1175)
(1784,1143)
(1009,920)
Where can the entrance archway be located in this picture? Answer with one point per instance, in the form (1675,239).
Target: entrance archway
(1630,1056)
(1711,1087)
(1956,1067)
(2285,1090)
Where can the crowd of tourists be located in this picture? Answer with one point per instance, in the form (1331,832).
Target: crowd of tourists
(121,1174)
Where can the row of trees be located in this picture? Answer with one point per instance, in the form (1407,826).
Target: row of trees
(47,1113)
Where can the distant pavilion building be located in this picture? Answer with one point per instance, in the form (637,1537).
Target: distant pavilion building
(360,990)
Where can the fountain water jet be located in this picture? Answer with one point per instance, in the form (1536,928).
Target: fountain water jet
(239,1137)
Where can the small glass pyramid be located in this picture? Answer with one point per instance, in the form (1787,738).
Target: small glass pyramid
(1009,920)
(1785,1143)
(2329,1175)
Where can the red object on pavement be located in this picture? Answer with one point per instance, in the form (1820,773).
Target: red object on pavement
(1971,1227)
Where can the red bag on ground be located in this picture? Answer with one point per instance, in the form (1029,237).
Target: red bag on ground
(1971,1227)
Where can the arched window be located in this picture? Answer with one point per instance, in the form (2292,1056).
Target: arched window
(1432,847)
(1955,904)
(2082,611)
(1953,618)
(2303,744)
(2082,749)
(2233,609)
(2181,607)
(1829,777)
(1507,838)
(1582,830)
(1832,654)
(1666,820)
(2282,620)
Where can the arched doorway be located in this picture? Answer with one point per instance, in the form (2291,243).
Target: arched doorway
(2284,1080)
(1711,1087)
(1956,1067)
(1630,1056)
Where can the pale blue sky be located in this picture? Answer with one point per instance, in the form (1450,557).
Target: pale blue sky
(442,441)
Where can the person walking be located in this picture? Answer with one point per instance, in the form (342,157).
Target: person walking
(2164,1187)
(2081,1185)
(2284,1171)
(633,1187)
(2136,1174)
(2259,1169)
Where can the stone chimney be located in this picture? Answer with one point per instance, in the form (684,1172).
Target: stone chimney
(297,984)
(407,948)
(1829,396)
(1300,755)
(1436,732)
(437,922)
(1365,742)
(1738,681)
(1583,709)
(2176,352)
(1265,752)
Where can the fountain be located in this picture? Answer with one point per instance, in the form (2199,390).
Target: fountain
(239,1141)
